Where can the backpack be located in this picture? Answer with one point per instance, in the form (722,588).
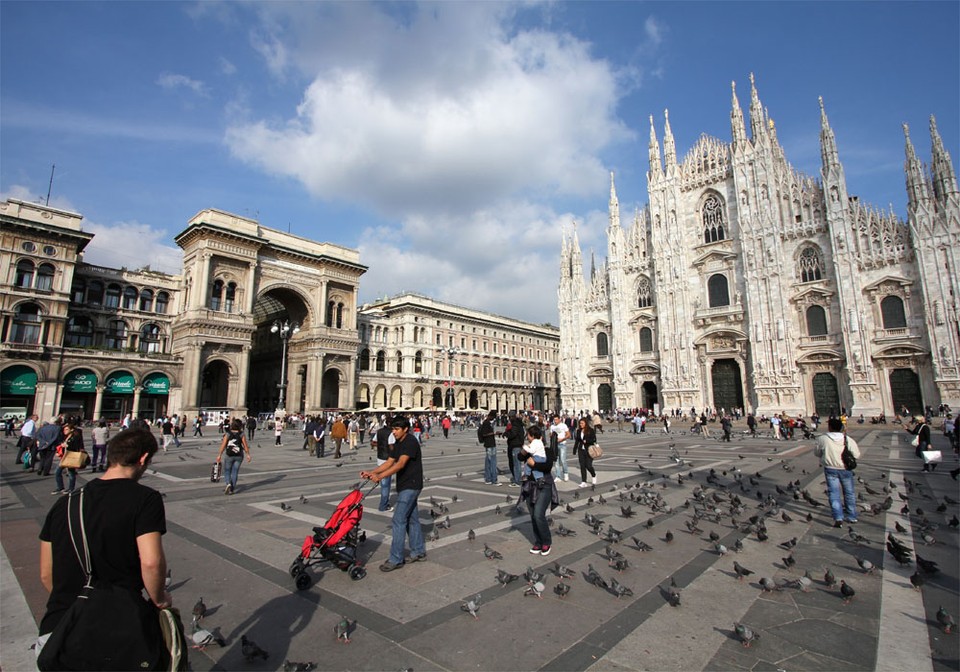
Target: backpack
(234,444)
(480,433)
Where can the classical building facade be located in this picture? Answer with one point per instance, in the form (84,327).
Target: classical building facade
(744,283)
(416,352)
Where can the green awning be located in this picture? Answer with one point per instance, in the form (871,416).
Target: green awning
(156,383)
(120,382)
(18,380)
(80,380)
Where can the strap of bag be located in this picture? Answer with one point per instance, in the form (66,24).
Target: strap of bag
(84,560)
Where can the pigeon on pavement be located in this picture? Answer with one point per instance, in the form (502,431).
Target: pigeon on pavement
(199,611)
(866,565)
(561,571)
(847,591)
(536,589)
(342,630)
(250,650)
(619,589)
(471,606)
(561,589)
(745,634)
(504,577)
(741,570)
(945,620)
(203,638)
(491,554)
(294,666)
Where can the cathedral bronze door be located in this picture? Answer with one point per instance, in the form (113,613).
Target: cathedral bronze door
(605,397)
(727,388)
(905,391)
(826,396)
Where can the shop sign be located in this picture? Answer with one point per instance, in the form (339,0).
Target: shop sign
(156,383)
(120,383)
(81,380)
(18,380)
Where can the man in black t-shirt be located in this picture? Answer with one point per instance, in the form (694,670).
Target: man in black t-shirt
(488,436)
(404,461)
(124,522)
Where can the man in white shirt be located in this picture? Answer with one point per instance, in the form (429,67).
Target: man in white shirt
(563,433)
(27,431)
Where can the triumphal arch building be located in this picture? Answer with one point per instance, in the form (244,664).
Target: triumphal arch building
(268,319)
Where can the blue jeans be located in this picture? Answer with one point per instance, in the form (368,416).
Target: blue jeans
(843,500)
(516,463)
(384,489)
(231,469)
(71,474)
(490,465)
(406,521)
(538,515)
(562,467)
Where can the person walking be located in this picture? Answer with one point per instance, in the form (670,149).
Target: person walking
(840,480)
(100,435)
(538,487)
(488,437)
(338,432)
(353,432)
(406,462)
(921,430)
(583,438)
(278,431)
(232,447)
(251,427)
(27,440)
(562,433)
(198,427)
(48,437)
(72,442)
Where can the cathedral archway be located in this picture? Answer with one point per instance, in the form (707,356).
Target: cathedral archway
(275,305)
(649,396)
(905,391)
(826,394)
(727,384)
(604,397)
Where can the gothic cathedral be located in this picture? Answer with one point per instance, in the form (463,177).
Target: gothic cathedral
(746,284)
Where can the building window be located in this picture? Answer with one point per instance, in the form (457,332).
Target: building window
(646,340)
(335,315)
(45,277)
(816,321)
(130,295)
(644,295)
(146,300)
(150,338)
(230,296)
(713,223)
(381,361)
(418,362)
(717,291)
(26,324)
(216,295)
(116,335)
(365,359)
(438,369)
(79,332)
(810,265)
(399,362)
(113,296)
(95,293)
(163,300)
(24,276)
(602,346)
(78,293)
(891,309)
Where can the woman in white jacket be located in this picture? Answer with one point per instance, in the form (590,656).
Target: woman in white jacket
(843,499)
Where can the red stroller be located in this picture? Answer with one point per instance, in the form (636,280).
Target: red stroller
(336,542)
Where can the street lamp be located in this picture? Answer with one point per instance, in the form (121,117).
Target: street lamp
(285,330)
(451,352)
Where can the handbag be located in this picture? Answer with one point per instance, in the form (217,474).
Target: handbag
(216,472)
(916,441)
(930,456)
(849,461)
(594,451)
(107,627)
(75,459)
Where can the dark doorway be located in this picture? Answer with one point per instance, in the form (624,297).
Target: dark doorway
(648,394)
(727,388)
(213,385)
(330,397)
(605,397)
(905,391)
(437,397)
(474,401)
(826,394)
(266,352)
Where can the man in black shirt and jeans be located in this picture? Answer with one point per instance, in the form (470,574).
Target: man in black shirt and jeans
(515,435)
(406,462)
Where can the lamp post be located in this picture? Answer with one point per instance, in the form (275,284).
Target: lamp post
(451,352)
(285,330)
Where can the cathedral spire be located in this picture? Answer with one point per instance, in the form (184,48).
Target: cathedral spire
(737,129)
(828,143)
(757,130)
(614,205)
(656,170)
(669,147)
(916,179)
(593,265)
(944,177)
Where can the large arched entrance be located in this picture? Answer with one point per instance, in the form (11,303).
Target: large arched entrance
(604,397)
(437,397)
(826,394)
(330,396)
(266,374)
(905,391)
(214,382)
(727,385)
(648,394)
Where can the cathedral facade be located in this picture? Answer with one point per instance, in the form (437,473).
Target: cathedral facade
(746,284)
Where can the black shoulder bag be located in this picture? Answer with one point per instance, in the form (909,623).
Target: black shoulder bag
(849,461)
(108,627)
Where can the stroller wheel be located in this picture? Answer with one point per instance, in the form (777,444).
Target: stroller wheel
(296,567)
(357,573)
(303,581)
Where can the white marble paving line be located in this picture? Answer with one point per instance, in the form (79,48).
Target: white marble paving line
(18,630)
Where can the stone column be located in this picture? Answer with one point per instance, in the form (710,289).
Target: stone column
(135,409)
(200,295)
(243,373)
(98,403)
(322,308)
(251,288)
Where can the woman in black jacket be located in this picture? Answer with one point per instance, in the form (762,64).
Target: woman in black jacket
(921,430)
(583,438)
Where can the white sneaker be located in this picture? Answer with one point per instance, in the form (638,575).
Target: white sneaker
(583,484)
(594,480)
(566,477)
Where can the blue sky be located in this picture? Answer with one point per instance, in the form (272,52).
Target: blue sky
(452,143)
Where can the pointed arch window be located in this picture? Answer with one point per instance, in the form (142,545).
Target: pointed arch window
(816,321)
(644,294)
(894,316)
(603,347)
(810,265)
(718,291)
(714,225)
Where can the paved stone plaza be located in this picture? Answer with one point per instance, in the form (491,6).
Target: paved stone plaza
(235,552)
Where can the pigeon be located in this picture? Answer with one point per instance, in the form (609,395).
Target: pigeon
(713,536)
(592,576)
(720,549)
(866,565)
(900,528)
(803,583)
(668,537)
(642,545)
(945,620)
(787,545)
(565,532)
(856,537)
(535,589)
(847,591)
(626,511)
(285,507)
(789,561)
(471,606)
(561,589)
(768,585)
(561,571)
(619,564)
(471,535)
(203,638)
(293,666)
(504,577)
(785,517)
(917,580)
(745,634)
(250,650)
(672,594)
(829,579)
(434,534)
(619,589)
(741,570)
(342,630)
(199,611)
(303,500)
(738,545)
(491,554)
(927,566)
(532,575)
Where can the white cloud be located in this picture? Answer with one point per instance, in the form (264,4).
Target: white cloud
(227,67)
(172,81)
(132,245)
(653,29)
